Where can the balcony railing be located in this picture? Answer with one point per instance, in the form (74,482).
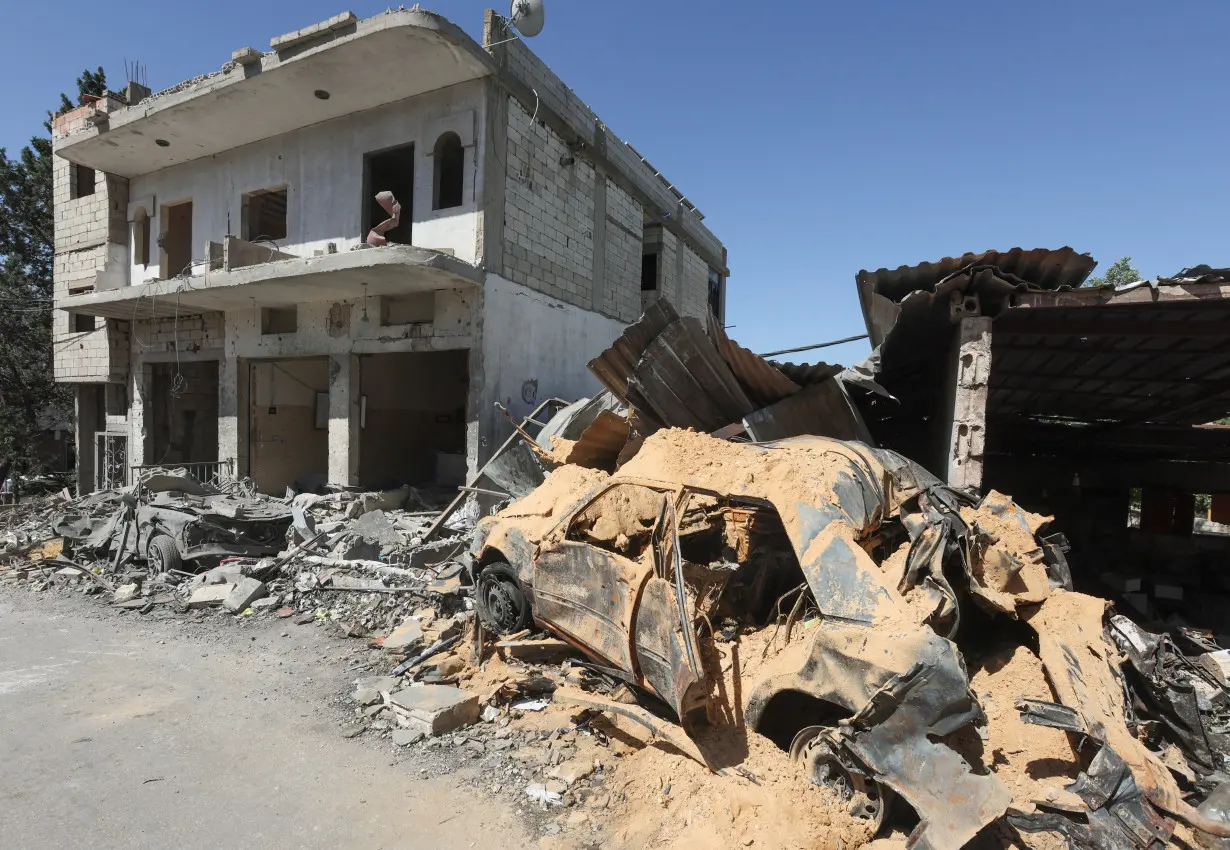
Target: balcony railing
(214,472)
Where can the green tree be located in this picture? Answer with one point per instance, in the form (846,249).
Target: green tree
(1118,274)
(29,397)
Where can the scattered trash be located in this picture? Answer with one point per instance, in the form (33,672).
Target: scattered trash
(538,792)
(530,705)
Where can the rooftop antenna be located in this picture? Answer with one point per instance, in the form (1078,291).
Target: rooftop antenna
(527,16)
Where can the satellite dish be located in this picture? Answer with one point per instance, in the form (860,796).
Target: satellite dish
(527,16)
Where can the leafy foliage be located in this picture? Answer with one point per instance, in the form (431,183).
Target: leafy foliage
(1120,273)
(30,400)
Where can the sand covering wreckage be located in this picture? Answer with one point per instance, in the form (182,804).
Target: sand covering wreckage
(659,570)
(654,570)
(751,593)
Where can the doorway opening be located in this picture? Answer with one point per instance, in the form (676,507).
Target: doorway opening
(183,418)
(390,170)
(413,418)
(176,240)
(288,426)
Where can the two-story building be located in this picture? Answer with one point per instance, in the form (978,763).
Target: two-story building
(221,294)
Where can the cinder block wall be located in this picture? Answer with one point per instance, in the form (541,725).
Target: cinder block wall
(91,237)
(547,181)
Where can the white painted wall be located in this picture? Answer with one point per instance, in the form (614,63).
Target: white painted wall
(322,168)
(529,336)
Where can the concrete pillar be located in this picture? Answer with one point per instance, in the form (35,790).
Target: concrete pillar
(344,387)
(969,373)
(598,291)
(228,411)
(140,408)
(86,404)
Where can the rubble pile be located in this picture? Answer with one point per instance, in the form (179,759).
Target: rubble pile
(665,635)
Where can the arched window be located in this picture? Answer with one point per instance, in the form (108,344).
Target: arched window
(449,175)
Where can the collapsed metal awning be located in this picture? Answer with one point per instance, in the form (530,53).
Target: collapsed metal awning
(675,372)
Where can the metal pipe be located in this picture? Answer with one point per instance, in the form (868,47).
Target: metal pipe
(817,345)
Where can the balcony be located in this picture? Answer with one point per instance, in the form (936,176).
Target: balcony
(331,69)
(390,270)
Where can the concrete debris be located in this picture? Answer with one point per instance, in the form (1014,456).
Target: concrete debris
(436,709)
(210,594)
(814,632)
(406,737)
(405,637)
(243,593)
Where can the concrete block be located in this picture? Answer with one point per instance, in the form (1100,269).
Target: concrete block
(406,737)
(126,593)
(210,594)
(246,55)
(437,709)
(572,771)
(243,593)
(405,636)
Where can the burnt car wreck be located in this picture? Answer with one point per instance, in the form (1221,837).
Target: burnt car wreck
(836,598)
(174,523)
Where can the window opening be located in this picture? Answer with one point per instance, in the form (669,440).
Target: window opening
(176,240)
(264,215)
(449,172)
(649,273)
(82,181)
(279,320)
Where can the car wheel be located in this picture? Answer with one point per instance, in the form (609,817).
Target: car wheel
(163,554)
(814,750)
(501,601)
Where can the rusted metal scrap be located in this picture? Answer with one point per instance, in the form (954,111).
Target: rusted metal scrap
(678,372)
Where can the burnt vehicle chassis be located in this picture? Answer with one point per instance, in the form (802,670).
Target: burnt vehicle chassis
(176,530)
(643,595)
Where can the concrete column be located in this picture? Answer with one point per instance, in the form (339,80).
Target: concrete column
(87,415)
(229,412)
(598,300)
(969,373)
(344,389)
(140,407)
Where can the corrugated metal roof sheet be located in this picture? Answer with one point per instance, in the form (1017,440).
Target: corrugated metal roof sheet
(822,409)
(686,383)
(615,366)
(761,380)
(806,374)
(1043,268)
(600,444)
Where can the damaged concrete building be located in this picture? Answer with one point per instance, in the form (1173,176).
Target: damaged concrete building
(327,262)
(1089,404)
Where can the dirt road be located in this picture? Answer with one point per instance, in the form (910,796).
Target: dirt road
(120,731)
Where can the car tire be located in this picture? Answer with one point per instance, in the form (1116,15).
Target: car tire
(501,601)
(867,798)
(163,554)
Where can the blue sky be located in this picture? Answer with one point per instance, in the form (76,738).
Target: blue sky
(818,139)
